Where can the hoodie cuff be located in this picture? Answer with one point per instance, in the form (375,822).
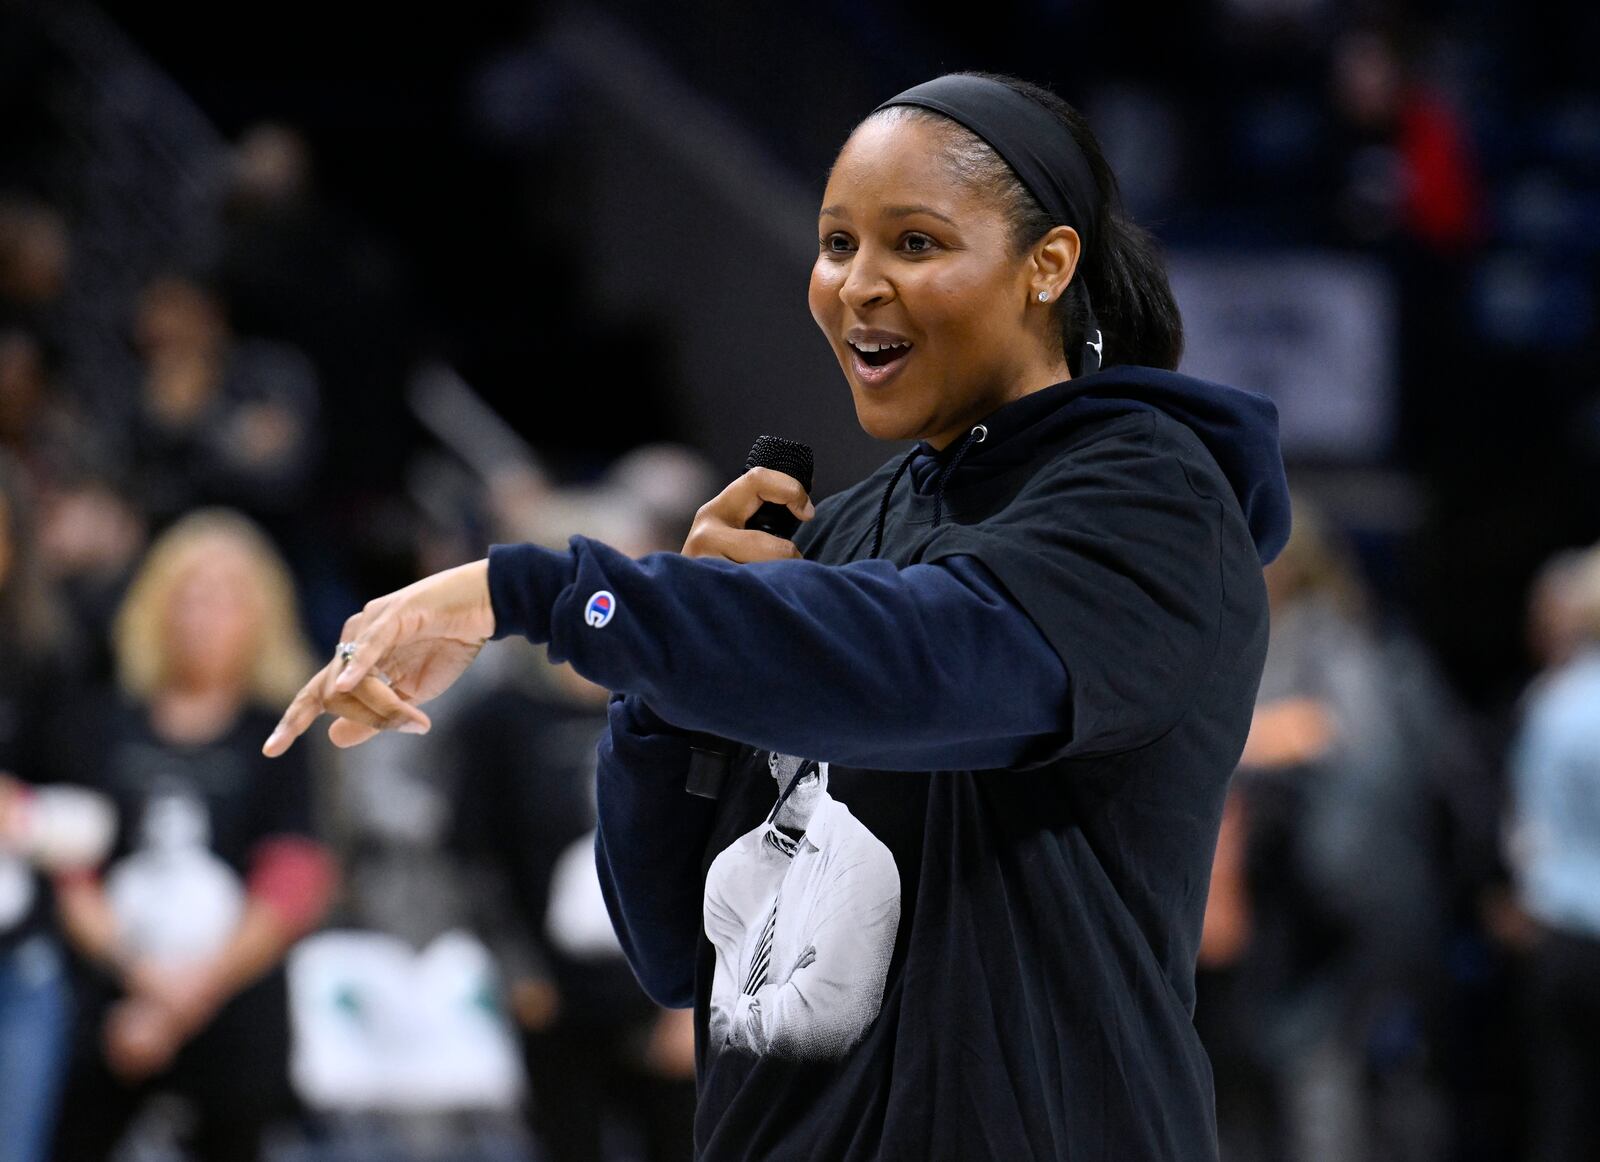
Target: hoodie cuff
(524,581)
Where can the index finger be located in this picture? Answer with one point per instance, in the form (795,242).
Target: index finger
(306,708)
(779,487)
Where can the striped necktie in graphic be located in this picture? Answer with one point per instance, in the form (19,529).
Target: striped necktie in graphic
(778,841)
(762,962)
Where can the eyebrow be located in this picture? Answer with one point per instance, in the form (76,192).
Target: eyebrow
(892,211)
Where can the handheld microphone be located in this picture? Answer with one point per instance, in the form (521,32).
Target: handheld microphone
(710,756)
(792,459)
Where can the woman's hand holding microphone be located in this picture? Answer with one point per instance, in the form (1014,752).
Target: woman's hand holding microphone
(719,527)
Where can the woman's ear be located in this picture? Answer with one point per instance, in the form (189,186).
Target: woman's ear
(1055,258)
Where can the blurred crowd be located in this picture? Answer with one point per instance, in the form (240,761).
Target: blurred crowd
(394,952)
(1400,949)
(400,951)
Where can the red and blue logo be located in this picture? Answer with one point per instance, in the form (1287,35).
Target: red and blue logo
(600,608)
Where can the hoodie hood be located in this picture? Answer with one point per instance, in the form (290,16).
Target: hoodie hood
(1239,428)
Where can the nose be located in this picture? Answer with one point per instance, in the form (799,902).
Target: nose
(865,285)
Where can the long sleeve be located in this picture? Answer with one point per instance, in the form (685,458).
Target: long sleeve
(649,841)
(866,664)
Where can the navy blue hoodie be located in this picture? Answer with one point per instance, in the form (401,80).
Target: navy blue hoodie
(949,902)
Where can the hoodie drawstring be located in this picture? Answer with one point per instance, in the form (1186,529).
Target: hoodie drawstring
(883,507)
(976,436)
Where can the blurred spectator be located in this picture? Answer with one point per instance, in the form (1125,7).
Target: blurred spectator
(1557,627)
(35,249)
(91,533)
(403,1048)
(37,426)
(215,871)
(33,631)
(1556,612)
(1554,849)
(22,387)
(44,829)
(647,497)
(1408,163)
(295,267)
(488,823)
(48,288)
(221,420)
(1303,944)
(391,798)
(285,258)
(88,532)
(605,1065)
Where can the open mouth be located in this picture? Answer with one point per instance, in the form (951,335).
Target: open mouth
(881,354)
(877,361)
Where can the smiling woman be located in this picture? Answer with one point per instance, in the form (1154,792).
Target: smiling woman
(934,319)
(949,902)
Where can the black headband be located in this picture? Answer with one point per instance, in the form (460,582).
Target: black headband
(1029,137)
(1040,151)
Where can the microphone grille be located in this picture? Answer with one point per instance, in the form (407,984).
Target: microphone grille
(788,456)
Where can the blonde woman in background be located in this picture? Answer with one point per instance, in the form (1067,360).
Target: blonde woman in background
(215,872)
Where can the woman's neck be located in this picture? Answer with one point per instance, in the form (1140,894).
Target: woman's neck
(197,714)
(1036,379)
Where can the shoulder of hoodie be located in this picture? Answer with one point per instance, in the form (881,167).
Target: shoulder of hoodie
(1145,444)
(1169,436)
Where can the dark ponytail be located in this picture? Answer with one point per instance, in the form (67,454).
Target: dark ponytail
(1121,266)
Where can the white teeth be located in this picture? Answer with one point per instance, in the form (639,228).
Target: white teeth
(871,348)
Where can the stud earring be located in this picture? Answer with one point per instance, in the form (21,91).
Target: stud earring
(1044,296)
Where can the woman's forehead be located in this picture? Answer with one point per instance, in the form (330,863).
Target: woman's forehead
(897,160)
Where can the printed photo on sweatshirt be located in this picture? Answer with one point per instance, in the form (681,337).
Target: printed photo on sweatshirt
(802,911)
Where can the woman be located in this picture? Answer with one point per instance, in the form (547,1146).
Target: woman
(949,901)
(600,1056)
(221,418)
(44,829)
(214,873)
(1553,844)
(1304,951)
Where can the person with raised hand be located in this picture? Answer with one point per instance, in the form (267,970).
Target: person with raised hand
(1025,652)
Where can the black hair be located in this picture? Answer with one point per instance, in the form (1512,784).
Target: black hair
(1120,265)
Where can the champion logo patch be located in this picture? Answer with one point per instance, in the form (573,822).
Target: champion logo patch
(600,608)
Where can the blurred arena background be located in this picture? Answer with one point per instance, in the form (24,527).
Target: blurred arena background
(299,301)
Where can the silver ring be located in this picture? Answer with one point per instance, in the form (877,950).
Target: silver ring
(344,651)
(382,677)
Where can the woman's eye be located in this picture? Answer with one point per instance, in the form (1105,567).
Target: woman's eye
(836,244)
(917,243)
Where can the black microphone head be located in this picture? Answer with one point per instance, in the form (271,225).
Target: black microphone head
(787,456)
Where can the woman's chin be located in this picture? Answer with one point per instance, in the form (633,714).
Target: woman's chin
(885,423)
